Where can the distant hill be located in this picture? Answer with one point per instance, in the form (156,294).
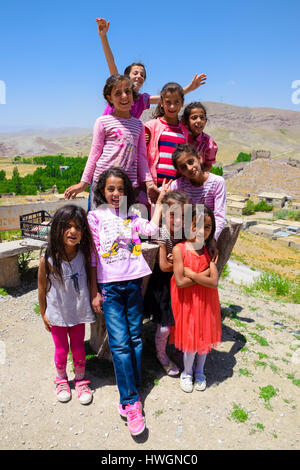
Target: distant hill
(242,129)
(235,128)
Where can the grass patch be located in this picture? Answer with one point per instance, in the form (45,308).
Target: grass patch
(266,393)
(239,414)
(274,284)
(245,372)
(226,271)
(10,235)
(37,309)
(260,364)
(294,381)
(259,339)
(3,291)
(260,426)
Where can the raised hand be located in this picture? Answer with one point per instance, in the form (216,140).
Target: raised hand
(103,26)
(197,81)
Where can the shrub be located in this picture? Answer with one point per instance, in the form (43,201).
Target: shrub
(249,208)
(263,206)
(217,170)
(243,157)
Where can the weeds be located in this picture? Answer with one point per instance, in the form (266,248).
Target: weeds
(266,393)
(239,414)
(259,339)
(37,309)
(274,284)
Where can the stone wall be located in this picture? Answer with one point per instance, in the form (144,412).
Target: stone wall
(10,215)
(255,154)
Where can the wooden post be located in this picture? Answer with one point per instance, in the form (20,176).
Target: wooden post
(226,242)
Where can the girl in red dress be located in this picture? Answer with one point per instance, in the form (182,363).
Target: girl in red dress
(195,300)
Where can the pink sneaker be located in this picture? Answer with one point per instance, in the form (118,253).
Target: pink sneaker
(84,393)
(135,420)
(63,391)
(122,409)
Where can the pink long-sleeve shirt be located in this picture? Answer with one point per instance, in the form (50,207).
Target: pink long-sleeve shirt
(118,246)
(118,142)
(212,193)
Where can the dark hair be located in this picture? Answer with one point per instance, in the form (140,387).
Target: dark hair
(178,196)
(181,148)
(112,81)
(187,111)
(208,213)
(129,67)
(171,87)
(55,247)
(99,197)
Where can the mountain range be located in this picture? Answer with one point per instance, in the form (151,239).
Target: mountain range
(235,129)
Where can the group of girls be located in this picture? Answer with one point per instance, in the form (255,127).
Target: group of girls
(93,262)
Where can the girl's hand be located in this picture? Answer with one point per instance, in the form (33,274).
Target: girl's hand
(188,272)
(147,137)
(165,187)
(213,250)
(215,259)
(103,26)
(72,191)
(46,322)
(152,192)
(197,81)
(96,303)
(170,258)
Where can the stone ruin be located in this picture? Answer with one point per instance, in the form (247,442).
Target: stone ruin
(255,154)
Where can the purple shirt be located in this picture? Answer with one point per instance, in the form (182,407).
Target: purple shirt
(137,108)
(118,142)
(118,246)
(212,193)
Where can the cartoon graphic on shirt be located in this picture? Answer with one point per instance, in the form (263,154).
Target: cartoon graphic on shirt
(125,242)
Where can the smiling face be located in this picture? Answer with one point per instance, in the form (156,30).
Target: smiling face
(137,75)
(172,104)
(72,235)
(114,190)
(174,216)
(201,229)
(189,166)
(121,98)
(197,121)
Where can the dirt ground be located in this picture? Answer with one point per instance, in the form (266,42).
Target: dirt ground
(251,402)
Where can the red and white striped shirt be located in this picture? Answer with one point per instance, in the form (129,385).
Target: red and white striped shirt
(169,139)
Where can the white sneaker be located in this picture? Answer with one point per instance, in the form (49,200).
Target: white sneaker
(186,382)
(200,382)
(84,393)
(63,391)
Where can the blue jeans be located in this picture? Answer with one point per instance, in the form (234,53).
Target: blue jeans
(123,312)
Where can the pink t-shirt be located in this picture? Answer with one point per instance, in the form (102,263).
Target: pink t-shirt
(118,245)
(206,146)
(137,108)
(118,142)
(212,193)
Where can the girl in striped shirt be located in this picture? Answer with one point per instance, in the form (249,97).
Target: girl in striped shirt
(164,133)
(118,141)
(201,187)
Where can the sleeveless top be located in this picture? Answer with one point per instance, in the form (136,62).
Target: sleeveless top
(68,303)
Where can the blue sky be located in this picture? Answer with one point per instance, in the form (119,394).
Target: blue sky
(52,68)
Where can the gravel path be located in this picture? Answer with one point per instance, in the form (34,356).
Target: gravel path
(251,402)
